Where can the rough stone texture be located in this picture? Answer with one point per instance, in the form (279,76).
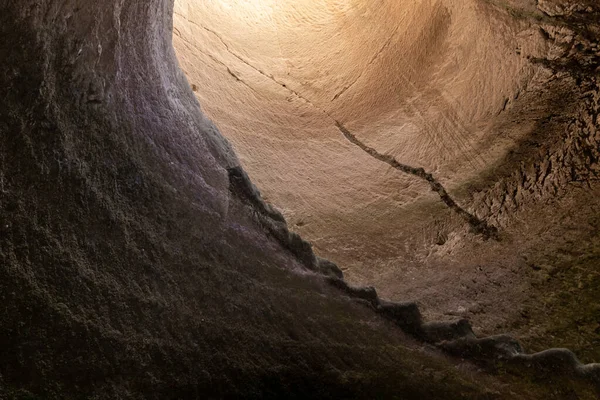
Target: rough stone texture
(131,266)
(493,104)
(137,260)
(421,82)
(457,338)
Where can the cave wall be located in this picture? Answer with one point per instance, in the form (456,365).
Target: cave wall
(497,100)
(137,260)
(129,267)
(421,81)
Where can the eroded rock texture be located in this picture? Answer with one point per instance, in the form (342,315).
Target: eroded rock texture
(397,137)
(137,260)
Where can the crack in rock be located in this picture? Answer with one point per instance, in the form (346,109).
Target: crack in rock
(477,225)
(385,46)
(456,338)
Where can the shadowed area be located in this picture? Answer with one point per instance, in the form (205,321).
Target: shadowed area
(392,134)
(139,261)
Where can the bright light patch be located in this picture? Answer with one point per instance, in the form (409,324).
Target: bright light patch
(257,9)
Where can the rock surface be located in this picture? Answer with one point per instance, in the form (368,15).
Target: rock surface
(137,260)
(396,137)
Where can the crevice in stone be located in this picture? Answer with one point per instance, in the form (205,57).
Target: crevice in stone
(213,58)
(477,225)
(228,49)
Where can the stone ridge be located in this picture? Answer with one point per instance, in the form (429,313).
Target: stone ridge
(274,222)
(458,339)
(455,338)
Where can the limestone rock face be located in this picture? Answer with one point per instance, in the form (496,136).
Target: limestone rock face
(397,136)
(130,267)
(421,81)
(138,260)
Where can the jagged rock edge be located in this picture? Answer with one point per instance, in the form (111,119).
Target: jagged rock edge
(275,224)
(456,338)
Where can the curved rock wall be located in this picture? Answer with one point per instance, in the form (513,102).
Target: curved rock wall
(129,265)
(389,132)
(138,261)
(420,81)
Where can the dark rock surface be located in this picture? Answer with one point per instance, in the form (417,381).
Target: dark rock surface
(138,261)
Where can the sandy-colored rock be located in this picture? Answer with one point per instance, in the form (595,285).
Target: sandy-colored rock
(138,260)
(496,100)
